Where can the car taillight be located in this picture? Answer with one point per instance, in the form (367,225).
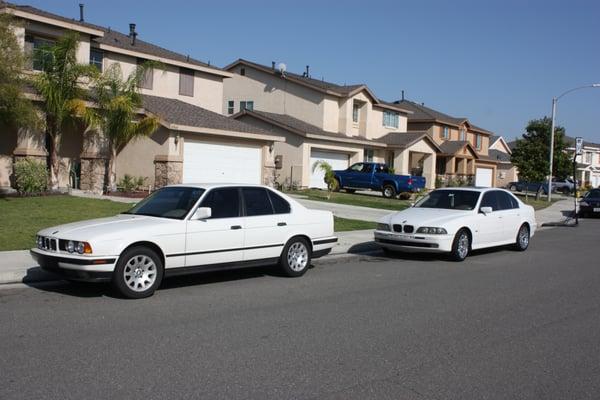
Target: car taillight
(410,181)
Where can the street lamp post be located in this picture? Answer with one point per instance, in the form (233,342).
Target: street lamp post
(554,101)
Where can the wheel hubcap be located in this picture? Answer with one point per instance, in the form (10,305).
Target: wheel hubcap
(388,192)
(297,256)
(463,245)
(139,273)
(523,237)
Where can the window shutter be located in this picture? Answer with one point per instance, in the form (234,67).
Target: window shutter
(186,82)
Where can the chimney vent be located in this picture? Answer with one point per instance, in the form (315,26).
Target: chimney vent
(132,33)
(81,19)
(403,95)
(273,65)
(307,70)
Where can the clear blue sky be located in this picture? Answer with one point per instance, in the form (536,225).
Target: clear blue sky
(499,63)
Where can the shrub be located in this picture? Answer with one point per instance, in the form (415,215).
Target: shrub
(31,177)
(405,196)
(127,183)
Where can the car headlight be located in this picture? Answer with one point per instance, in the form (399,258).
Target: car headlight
(74,246)
(39,242)
(383,227)
(428,230)
(584,203)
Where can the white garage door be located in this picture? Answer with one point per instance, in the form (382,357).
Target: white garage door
(483,177)
(336,160)
(207,162)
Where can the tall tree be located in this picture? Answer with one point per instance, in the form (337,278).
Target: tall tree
(116,113)
(15,110)
(60,85)
(531,155)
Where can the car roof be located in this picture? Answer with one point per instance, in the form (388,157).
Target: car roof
(470,188)
(214,185)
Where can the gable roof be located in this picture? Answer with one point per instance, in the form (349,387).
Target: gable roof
(423,113)
(451,147)
(322,86)
(407,139)
(570,141)
(304,129)
(107,36)
(179,115)
(499,156)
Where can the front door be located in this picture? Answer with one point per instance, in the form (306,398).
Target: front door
(489,228)
(220,238)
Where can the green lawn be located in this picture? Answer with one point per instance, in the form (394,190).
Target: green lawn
(343,224)
(21,218)
(536,204)
(363,200)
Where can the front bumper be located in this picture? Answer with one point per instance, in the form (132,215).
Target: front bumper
(87,269)
(591,209)
(414,242)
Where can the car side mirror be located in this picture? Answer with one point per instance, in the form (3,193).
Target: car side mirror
(486,210)
(412,204)
(202,213)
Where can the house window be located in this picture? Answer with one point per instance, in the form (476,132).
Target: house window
(246,105)
(147,81)
(478,142)
(445,132)
(96,58)
(230,106)
(243,71)
(37,50)
(588,157)
(355,111)
(390,119)
(186,82)
(463,134)
(368,155)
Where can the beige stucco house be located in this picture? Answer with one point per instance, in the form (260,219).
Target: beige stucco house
(340,124)
(195,141)
(506,171)
(588,163)
(465,147)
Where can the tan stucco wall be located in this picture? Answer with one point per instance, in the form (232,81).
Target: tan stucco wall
(402,161)
(8,142)
(505,174)
(273,94)
(137,158)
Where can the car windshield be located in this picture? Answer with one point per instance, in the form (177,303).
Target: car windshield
(171,202)
(450,200)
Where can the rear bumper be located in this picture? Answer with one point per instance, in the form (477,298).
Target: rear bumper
(323,246)
(76,268)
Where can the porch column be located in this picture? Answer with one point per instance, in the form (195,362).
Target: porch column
(450,165)
(429,170)
(401,160)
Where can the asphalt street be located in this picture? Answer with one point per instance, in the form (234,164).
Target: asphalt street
(501,325)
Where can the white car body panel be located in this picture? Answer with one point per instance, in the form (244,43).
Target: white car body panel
(488,230)
(190,243)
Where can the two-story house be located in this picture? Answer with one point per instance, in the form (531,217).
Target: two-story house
(588,163)
(464,156)
(195,142)
(320,120)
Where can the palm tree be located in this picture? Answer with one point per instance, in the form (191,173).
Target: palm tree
(332,183)
(60,85)
(117,102)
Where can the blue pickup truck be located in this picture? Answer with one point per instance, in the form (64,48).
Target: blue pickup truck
(375,176)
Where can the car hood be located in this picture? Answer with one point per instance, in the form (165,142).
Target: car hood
(118,226)
(419,216)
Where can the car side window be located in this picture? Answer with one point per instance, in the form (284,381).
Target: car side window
(504,200)
(489,200)
(280,205)
(357,167)
(224,203)
(367,168)
(257,202)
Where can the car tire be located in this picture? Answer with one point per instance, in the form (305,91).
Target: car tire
(461,246)
(523,236)
(139,273)
(389,191)
(513,188)
(295,257)
(350,191)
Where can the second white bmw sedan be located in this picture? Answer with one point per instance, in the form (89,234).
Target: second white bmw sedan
(187,228)
(458,220)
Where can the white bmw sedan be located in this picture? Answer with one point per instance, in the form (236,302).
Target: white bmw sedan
(458,220)
(187,228)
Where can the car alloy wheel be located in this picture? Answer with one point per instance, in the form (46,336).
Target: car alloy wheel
(388,191)
(139,273)
(523,238)
(295,257)
(461,246)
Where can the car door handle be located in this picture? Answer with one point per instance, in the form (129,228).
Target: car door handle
(236,227)
(281,224)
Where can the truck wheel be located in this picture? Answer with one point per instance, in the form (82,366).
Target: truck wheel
(513,188)
(389,191)
(350,191)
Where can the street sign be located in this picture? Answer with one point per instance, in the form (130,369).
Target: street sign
(578,146)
